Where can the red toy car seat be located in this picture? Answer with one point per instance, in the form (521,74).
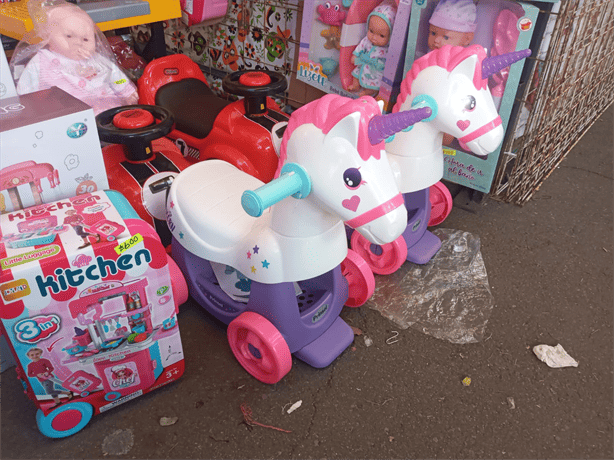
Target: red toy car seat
(207,126)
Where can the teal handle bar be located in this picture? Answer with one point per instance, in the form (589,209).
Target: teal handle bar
(293,181)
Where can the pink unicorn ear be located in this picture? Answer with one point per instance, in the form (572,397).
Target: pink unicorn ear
(381,127)
(347,128)
(494,64)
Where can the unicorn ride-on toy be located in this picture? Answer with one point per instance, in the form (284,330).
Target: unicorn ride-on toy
(207,126)
(449,84)
(284,262)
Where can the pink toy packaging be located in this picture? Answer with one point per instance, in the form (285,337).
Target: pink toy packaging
(88,303)
(66,49)
(49,149)
(501,27)
(354,48)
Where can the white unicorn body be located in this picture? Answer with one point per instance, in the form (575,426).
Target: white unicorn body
(452,83)
(337,181)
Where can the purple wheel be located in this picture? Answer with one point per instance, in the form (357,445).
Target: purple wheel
(361,282)
(259,347)
(383,260)
(441,203)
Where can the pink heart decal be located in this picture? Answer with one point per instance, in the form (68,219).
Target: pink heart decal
(352,203)
(463,124)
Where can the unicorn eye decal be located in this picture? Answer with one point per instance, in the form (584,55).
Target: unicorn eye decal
(352,178)
(469,102)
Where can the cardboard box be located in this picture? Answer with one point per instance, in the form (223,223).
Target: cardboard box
(326,49)
(88,303)
(7,85)
(519,18)
(49,149)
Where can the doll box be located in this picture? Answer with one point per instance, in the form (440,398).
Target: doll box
(500,21)
(326,48)
(49,149)
(88,303)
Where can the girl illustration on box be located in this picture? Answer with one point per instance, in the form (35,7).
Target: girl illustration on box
(75,220)
(369,57)
(42,369)
(71,53)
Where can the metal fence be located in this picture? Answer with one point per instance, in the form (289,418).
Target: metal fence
(564,95)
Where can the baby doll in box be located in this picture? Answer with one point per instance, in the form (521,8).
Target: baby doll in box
(70,52)
(369,57)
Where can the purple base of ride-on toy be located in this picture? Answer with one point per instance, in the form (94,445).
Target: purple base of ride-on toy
(309,322)
(417,244)
(422,245)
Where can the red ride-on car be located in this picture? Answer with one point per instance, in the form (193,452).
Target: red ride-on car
(139,155)
(207,126)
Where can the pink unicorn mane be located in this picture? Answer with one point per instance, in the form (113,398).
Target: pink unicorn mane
(446,57)
(326,112)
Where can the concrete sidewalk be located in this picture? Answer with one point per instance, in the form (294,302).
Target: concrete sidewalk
(549,266)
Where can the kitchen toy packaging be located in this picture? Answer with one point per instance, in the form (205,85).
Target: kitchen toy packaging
(354,48)
(88,300)
(49,149)
(500,26)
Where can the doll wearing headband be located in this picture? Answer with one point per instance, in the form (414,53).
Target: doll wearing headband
(74,58)
(369,56)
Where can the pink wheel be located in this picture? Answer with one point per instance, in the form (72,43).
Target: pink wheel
(259,347)
(383,260)
(441,203)
(178,282)
(361,282)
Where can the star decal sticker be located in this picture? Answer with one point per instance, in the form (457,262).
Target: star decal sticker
(172,204)
(265,264)
(181,235)
(249,255)
(256,249)
(253,269)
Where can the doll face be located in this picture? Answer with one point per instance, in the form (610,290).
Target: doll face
(73,37)
(378,32)
(439,37)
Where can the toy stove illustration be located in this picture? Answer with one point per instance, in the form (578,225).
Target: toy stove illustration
(120,344)
(27,172)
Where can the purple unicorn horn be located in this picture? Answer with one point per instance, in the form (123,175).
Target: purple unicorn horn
(381,127)
(494,64)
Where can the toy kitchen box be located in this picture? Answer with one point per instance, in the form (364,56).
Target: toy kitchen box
(502,26)
(49,149)
(88,303)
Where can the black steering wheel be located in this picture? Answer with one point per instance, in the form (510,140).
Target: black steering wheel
(135,126)
(254,86)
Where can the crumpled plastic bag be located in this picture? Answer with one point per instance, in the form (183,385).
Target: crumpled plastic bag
(554,357)
(448,298)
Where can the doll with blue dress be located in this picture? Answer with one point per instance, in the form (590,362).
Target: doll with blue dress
(369,57)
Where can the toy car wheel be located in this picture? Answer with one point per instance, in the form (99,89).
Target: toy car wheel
(110,238)
(384,259)
(134,124)
(248,83)
(441,203)
(361,282)
(254,86)
(66,420)
(112,396)
(259,347)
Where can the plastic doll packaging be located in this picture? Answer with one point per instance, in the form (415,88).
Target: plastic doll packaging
(66,49)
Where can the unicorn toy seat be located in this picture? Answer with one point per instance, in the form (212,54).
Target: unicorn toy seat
(451,84)
(286,239)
